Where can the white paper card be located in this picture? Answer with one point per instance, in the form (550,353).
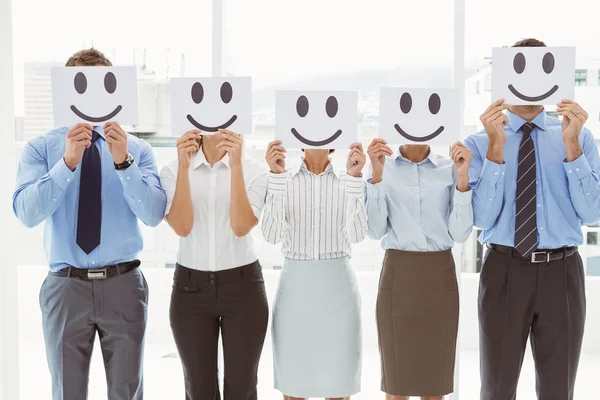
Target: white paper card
(416,116)
(533,75)
(94,94)
(316,119)
(209,104)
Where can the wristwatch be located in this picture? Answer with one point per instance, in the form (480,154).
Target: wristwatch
(125,164)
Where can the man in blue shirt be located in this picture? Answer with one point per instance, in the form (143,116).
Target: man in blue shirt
(91,184)
(535,181)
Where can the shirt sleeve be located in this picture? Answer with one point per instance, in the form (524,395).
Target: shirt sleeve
(273,224)
(142,189)
(460,222)
(257,193)
(168,181)
(584,183)
(356,211)
(377,212)
(39,191)
(486,178)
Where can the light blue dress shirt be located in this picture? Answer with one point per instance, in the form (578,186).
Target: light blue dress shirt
(416,207)
(567,194)
(47,190)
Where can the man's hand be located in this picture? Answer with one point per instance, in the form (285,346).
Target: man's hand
(574,117)
(187,145)
(276,157)
(377,151)
(462,159)
(116,138)
(356,160)
(232,144)
(493,120)
(78,139)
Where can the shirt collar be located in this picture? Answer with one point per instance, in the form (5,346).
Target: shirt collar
(430,157)
(199,158)
(515,122)
(329,168)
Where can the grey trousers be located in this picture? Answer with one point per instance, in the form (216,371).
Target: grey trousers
(73,310)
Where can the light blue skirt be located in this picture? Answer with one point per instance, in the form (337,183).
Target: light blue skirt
(317,333)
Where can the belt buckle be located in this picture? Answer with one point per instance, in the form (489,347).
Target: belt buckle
(536,260)
(97,273)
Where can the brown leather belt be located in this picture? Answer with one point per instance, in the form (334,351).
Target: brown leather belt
(99,273)
(538,256)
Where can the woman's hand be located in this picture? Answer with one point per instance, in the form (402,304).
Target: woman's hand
(462,159)
(276,157)
(232,144)
(187,145)
(356,160)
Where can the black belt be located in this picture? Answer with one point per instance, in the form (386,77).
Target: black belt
(99,273)
(538,256)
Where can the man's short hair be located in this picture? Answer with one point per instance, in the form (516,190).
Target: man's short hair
(88,58)
(529,43)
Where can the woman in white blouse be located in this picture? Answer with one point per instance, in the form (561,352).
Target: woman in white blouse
(214,199)
(316,212)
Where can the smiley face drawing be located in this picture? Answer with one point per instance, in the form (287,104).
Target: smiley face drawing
(95,95)
(110,85)
(316,119)
(533,75)
(210,104)
(409,115)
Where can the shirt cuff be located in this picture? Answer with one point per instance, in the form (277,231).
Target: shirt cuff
(491,171)
(355,186)
(131,178)
(277,183)
(374,190)
(462,198)
(578,169)
(61,174)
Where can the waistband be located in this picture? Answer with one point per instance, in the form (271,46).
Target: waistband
(237,274)
(316,263)
(107,271)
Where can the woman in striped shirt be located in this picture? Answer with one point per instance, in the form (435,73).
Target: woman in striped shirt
(316,213)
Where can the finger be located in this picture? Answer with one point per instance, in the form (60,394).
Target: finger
(81,136)
(495,104)
(75,132)
(495,110)
(569,114)
(498,118)
(274,143)
(191,135)
(377,141)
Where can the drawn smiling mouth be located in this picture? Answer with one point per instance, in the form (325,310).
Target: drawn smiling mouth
(319,143)
(211,128)
(417,138)
(532,98)
(96,119)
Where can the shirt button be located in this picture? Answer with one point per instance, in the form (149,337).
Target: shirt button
(68,179)
(185,288)
(496,174)
(121,178)
(54,200)
(570,171)
(490,199)
(212,281)
(576,169)
(539,205)
(536,182)
(541,228)
(128,178)
(93,262)
(503,173)
(587,194)
(139,201)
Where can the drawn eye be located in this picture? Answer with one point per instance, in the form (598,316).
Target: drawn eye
(548,63)
(197,92)
(80,83)
(519,63)
(331,106)
(110,82)
(435,103)
(302,106)
(226,92)
(406,103)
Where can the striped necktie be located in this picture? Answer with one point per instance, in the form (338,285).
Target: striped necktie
(526,232)
(89,217)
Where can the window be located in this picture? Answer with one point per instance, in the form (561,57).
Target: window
(580,77)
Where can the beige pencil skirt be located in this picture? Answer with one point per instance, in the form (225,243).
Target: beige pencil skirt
(417,322)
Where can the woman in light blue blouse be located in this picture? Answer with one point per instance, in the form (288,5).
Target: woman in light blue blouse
(419,204)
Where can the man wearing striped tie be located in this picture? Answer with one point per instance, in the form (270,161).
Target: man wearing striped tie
(535,181)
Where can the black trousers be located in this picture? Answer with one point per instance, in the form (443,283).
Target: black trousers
(233,302)
(546,302)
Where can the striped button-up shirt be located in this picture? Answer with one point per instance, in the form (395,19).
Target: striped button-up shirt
(315,217)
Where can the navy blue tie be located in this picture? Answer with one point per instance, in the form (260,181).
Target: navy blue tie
(89,217)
